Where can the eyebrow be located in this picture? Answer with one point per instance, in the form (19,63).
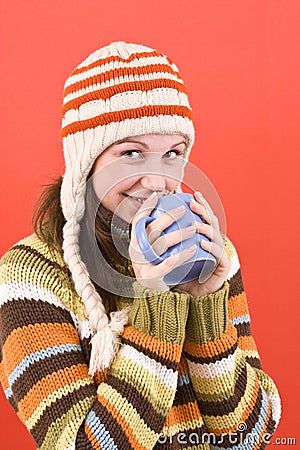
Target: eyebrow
(144,144)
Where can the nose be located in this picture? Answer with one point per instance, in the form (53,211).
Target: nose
(153,182)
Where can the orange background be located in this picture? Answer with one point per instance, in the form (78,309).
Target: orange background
(240,61)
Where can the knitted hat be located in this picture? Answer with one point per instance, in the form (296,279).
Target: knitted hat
(120,90)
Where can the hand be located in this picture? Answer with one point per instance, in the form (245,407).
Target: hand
(210,229)
(148,274)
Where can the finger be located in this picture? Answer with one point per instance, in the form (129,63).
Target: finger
(210,232)
(169,239)
(200,198)
(221,269)
(155,228)
(136,255)
(146,207)
(144,210)
(205,229)
(174,261)
(213,248)
(214,220)
(201,210)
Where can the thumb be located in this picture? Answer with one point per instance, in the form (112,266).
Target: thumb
(146,208)
(144,211)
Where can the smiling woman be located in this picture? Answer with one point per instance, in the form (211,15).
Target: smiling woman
(97,350)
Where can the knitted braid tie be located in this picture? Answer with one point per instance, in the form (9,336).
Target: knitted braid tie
(106,341)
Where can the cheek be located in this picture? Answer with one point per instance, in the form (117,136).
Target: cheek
(126,184)
(114,194)
(105,185)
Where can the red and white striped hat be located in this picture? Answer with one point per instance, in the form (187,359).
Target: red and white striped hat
(120,90)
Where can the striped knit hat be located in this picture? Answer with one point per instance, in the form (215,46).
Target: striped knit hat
(120,90)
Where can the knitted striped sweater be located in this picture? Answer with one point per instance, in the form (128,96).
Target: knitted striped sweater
(187,376)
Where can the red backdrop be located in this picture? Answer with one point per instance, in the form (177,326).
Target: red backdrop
(240,61)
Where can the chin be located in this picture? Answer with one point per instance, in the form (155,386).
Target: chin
(128,216)
(126,213)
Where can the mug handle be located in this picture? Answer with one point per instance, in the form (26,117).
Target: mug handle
(143,241)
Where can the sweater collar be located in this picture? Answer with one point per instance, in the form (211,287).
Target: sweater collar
(112,223)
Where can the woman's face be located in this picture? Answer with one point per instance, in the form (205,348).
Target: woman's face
(127,172)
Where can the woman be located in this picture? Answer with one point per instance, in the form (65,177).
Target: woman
(173,367)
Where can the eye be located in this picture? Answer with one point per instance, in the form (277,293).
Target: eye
(132,154)
(172,154)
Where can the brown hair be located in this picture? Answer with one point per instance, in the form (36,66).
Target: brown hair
(48,222)
(48,219)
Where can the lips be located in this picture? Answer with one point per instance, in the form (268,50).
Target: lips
(137,201)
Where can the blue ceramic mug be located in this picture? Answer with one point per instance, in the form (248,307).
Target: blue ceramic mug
(200,264)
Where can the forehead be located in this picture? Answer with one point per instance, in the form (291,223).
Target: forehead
(154,139)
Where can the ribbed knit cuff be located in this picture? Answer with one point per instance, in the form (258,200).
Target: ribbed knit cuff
(160,314)
(208,316)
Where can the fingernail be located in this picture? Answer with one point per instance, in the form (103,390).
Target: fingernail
(191,249)
(179,208)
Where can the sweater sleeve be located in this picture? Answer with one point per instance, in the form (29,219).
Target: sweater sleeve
(44,372)
(234,394)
